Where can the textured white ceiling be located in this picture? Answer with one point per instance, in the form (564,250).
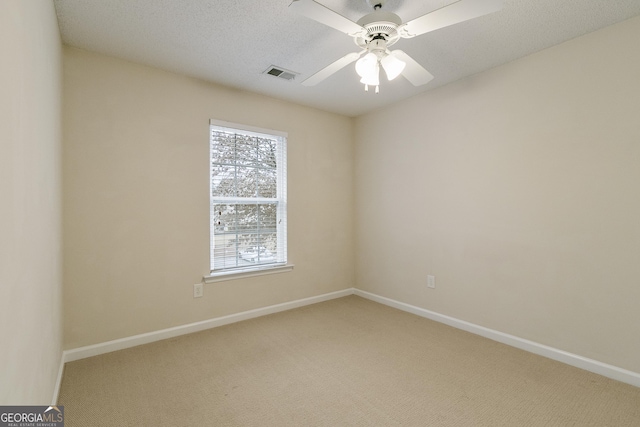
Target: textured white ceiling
(232,42)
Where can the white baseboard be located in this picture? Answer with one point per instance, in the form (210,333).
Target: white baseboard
(122,343)
(590,365)
(56,391)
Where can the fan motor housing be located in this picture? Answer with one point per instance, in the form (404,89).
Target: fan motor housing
(379,25)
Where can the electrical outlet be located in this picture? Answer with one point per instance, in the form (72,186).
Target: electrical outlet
(198,290)
(431,282)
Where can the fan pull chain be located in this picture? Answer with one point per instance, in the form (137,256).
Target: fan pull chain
(366,88)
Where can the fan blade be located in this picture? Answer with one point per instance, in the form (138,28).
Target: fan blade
(413,71)
(326,16)
(460,11)
(332,68)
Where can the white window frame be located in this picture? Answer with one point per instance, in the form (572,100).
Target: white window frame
(280,265)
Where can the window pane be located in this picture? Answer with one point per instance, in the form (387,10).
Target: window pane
(235,218)
(246,151)
(225,254)
(266,182)
(223,182)
(223,168)
(223,218)
(246,218)
(267,153)
(223,148)
(246,182)
(267,214)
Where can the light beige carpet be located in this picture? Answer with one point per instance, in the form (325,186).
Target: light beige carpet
(345,362)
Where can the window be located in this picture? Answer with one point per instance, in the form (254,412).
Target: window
(248,198)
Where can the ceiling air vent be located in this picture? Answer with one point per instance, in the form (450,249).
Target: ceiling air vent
(281,73)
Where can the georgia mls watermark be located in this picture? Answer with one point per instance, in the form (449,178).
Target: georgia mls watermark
(31,416)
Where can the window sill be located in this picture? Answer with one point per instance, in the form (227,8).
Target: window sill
(232,275)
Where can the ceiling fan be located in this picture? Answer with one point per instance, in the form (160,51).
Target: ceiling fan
(376,32)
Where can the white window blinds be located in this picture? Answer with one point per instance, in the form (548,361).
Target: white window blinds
(248,215)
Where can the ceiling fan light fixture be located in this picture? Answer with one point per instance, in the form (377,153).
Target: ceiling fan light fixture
(392,66)
(368,68)
(366,65)
(372,76)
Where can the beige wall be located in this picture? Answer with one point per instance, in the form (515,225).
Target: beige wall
(30,202)
(519,190)
(136,206)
